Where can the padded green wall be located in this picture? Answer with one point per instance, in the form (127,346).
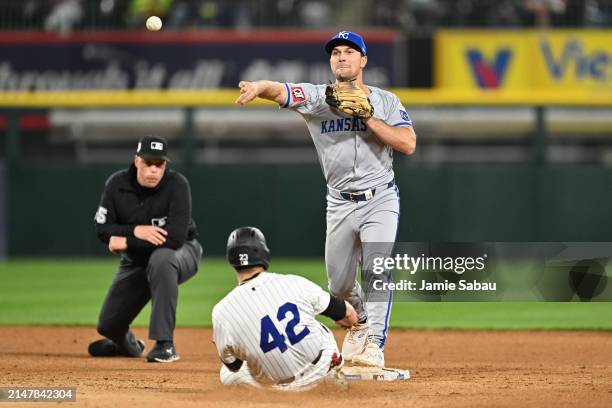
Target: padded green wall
(51,207)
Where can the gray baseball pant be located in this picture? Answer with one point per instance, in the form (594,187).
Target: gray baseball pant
(135,284)
(357,232)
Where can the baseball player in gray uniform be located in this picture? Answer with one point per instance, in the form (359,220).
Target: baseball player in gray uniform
(356,155)
(265,330)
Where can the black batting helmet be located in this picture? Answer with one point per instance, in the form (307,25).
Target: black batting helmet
(246,246)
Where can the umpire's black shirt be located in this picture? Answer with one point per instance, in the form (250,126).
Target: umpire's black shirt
(126,204)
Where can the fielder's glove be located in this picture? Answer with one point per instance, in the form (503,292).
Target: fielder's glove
(348,98)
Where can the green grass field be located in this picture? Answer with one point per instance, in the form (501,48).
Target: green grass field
(70,292)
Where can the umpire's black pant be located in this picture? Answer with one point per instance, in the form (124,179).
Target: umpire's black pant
(135,284)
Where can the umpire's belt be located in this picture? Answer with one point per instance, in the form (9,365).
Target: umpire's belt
(365,195)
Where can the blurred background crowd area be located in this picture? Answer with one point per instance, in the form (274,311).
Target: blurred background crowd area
(533,167)
(407,15)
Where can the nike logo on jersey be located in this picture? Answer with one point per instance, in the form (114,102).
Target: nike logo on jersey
(343,125)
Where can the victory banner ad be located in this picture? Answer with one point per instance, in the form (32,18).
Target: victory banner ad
(562,61)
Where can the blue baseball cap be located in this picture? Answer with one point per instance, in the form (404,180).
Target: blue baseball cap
(348,38)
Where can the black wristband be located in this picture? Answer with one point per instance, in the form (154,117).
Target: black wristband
(336,310)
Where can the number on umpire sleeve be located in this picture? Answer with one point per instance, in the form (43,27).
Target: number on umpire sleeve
(101,215)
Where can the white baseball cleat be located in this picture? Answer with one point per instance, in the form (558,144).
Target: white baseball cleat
(355,340)
(372,355)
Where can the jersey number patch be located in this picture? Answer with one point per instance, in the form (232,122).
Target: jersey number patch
(271,338)
(101,215)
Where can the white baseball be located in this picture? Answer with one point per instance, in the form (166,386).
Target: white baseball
(154,23)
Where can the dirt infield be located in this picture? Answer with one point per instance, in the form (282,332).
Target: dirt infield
(449,368)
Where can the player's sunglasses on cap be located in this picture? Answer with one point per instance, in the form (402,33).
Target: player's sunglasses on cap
(347,38)
(153,148)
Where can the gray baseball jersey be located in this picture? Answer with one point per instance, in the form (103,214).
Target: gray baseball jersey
(352,158)
(269,322)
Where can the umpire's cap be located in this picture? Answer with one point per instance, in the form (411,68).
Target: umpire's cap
(349,38)
(246,246)
(153,148)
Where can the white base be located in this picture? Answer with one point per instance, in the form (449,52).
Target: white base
(356,373)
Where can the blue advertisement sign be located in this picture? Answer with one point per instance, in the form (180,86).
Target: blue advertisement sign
(96,61)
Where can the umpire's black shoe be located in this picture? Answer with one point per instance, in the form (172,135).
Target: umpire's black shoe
(108,348)
(163,352)
(103,348)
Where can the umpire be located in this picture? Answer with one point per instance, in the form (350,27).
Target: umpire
(145,215)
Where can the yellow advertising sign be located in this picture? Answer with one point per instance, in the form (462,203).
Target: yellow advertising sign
(568,62)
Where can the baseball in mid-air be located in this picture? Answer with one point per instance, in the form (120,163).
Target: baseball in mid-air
(154,23)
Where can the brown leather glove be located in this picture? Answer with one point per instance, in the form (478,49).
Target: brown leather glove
(348,98)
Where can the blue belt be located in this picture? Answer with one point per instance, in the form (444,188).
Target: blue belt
(364,195)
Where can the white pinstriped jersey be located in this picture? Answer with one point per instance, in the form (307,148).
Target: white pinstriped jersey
(351,156)
(269,321)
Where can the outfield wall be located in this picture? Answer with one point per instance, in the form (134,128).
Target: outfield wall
(51,207)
